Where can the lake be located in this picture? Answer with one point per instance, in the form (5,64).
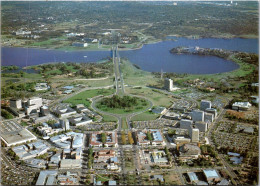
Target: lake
(151,57)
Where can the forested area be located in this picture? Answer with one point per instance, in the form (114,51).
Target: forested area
(158,20)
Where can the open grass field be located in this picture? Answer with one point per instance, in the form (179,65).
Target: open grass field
(77,80)
(136,77)
(82,98)
(146,116)
(157,98)
(108,118)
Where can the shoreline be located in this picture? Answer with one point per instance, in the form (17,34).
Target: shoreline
(195,37)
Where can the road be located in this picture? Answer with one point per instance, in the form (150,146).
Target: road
(75,93)
(209,135)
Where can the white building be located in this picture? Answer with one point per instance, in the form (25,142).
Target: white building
(241,106)
(80,120)
(41,86)
(35,101)
(33,105)
(65,112)
(194,134)
(168,84)
(16,103)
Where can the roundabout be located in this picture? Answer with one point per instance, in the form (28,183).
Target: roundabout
(142,104)
(122,104)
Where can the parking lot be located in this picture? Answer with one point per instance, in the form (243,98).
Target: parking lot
(227,135)
(154,124)
(98,126)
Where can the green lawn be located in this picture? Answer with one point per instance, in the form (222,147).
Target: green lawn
(82,98)
(124,124)
(146,116)
(101,178)
(136,77)
(108,118)
(157,98)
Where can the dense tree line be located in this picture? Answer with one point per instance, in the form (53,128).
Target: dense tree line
(119,102)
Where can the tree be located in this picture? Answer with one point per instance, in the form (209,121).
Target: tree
(103,138)
(130,138)
(149,136)
(6,114)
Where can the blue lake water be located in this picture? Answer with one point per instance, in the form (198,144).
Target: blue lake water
(151,57)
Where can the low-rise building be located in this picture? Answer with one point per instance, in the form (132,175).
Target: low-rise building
(111,139)
(65,112)
(172,116)
(159,110)
(47,177)
(189,152)
(32,105)
(104,156)
(158,157)
(30,150)
(79,120)
(67,179)
(193,177)
(41,86)
(223,182)
(157,138)
(80,44)
(70,164)
(36,163)
(241,106)
(211,175)
(13,133)
(68,140)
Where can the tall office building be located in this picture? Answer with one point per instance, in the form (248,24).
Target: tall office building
(194,134)
(204,104)
(197,115)
(168,84)
(185,123)
(212,111)
(202,126)
(65,124)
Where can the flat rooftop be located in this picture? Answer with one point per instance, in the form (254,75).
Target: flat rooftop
(12,133)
